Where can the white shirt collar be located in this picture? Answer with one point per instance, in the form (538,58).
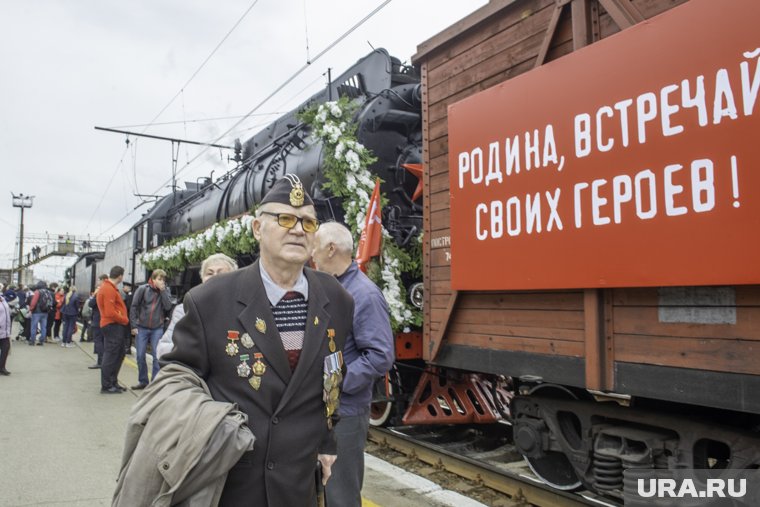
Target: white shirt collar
(275,292)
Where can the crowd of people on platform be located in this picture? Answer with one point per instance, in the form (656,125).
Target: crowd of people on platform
(46,314)
(54,314)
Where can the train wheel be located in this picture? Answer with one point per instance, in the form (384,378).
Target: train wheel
(380,411)
(553,467)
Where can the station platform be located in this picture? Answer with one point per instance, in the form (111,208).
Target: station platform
(61,440)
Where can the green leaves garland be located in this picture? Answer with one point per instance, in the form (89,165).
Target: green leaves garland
(232,237)
(345,168)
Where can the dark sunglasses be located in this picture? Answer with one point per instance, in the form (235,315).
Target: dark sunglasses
(289,221)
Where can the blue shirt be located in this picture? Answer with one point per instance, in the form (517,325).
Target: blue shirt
(369,352)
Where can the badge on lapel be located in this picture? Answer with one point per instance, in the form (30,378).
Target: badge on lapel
(246,340)
(261,326)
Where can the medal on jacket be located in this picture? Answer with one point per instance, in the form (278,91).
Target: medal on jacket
(246,340)
(331,392)
(261,326)
(232,347)
(243,370)
(331,336)
(259,368)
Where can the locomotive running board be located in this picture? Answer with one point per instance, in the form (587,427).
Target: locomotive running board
(448,397)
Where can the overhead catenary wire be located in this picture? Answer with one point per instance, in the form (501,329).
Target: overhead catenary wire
(171,101)
(280,87)
(197,120)
(182,88)
(261,103)
(287,101)
(306,31)
(108,187)
(184,124)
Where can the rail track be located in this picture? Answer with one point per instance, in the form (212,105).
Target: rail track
(482,454)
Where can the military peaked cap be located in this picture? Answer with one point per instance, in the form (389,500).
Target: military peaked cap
(288,190)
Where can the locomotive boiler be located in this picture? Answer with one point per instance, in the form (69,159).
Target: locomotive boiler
(388,122)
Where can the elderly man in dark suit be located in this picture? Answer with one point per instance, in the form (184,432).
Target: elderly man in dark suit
(269,338)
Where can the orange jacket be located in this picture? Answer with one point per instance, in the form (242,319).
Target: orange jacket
(59,297)
(111,305)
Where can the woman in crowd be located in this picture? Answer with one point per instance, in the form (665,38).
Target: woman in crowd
(212,266)
(70,310)
(60,296)
(5,334)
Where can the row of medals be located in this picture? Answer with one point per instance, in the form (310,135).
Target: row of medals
(331,381)
(243,370)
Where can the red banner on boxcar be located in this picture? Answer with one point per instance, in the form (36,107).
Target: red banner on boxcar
(632,162)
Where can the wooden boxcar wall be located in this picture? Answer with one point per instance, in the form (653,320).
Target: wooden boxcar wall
(600,339)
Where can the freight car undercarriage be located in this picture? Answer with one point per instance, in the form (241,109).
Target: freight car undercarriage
(572,440)
(569,442)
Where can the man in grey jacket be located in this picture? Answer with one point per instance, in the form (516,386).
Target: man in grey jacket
(150,306)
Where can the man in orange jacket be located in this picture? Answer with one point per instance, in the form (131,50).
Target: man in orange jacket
(114,323)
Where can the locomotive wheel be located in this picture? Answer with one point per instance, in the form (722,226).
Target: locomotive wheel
(554,468)
(380,412)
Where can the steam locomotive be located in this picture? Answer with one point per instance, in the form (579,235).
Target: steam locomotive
(388,123)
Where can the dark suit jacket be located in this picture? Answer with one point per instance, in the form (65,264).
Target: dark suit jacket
(287,413)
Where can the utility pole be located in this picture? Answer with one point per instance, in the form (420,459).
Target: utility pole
(21,201)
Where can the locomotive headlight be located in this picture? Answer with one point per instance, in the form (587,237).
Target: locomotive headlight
(416,294)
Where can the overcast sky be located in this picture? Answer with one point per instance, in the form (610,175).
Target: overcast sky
(67,66)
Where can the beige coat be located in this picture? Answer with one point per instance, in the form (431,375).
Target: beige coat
(174,426)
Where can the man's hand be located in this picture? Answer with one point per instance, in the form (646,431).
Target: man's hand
(134,332)
(327,461)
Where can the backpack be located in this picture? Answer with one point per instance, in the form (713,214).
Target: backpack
(44,303)
(86,310)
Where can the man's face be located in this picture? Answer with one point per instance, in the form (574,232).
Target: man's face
(278,243)
(215,269)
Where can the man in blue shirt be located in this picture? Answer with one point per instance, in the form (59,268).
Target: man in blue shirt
(368,355)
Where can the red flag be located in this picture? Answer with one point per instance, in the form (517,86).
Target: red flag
(369,243)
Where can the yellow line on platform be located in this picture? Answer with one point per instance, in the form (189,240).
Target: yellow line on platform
(130,362)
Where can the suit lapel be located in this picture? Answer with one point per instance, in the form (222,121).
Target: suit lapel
(252,294)
(315,334)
